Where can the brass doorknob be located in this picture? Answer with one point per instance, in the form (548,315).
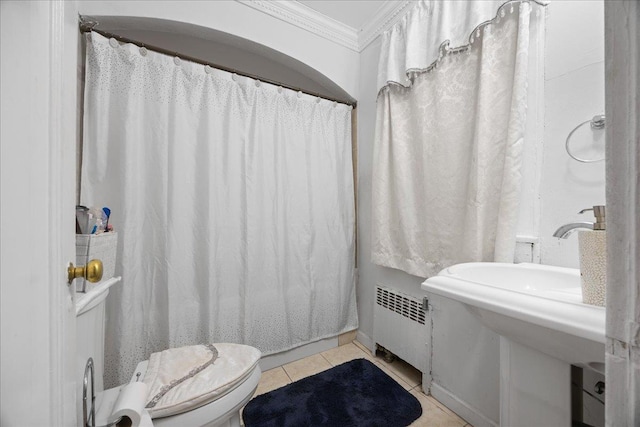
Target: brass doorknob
(92,271)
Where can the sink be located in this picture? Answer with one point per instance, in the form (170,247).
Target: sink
(544,328)
(539,298)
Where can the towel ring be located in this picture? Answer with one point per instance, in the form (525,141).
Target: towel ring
(597,122)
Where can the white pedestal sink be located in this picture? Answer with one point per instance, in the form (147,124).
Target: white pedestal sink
(544,328)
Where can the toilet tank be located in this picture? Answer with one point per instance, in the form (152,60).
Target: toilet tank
(90,327)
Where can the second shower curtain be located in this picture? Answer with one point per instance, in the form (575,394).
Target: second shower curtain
(450,136)
(233,200)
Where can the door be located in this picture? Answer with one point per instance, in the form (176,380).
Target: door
(38,132)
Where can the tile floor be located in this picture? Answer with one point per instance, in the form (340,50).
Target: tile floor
(434,414)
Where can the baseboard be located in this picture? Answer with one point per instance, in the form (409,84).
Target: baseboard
(365,340)
(274,360)
(427,380)
(347,337)
(465,411)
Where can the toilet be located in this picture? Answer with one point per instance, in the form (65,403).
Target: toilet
(214,381)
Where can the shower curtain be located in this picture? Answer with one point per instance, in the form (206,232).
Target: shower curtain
(449,135)
(233,200)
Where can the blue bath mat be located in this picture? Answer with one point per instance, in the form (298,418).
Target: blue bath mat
(356,393)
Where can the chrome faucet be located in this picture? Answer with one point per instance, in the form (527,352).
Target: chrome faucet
(566,230)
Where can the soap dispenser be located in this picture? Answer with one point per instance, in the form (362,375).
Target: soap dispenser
(593,259)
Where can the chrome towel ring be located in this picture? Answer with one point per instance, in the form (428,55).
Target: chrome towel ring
(597,122)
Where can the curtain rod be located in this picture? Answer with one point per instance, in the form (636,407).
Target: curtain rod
(89,26)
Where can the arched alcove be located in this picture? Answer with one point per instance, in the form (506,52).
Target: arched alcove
(224,49)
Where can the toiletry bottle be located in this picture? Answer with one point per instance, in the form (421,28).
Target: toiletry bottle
(593,259)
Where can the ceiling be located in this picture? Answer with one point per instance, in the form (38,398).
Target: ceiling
(354,13)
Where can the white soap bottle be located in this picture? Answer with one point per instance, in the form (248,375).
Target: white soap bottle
(593,259)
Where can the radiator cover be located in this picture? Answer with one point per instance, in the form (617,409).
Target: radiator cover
(402,326)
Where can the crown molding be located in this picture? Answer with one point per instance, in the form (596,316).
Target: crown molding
(302,16)
(308,19)
(387,16)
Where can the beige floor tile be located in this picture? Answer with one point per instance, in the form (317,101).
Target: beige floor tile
(363,347)
(408,373)
(305,367)
(441,406)
(433,416)
(399,380)
(345,353)
(271,380)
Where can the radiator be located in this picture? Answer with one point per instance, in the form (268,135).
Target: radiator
(401,325)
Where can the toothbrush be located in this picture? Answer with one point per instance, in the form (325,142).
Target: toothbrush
(107,212)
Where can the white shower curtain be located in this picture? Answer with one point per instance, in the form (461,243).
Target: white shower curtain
(448,146)
(233,201)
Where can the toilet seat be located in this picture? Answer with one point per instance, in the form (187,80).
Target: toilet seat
(213,400)
(224,409)
(199,385)
(185,378)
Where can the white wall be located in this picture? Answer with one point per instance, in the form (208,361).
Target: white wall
(574,93)
(465,357)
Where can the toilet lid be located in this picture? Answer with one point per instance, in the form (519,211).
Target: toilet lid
(185,378)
